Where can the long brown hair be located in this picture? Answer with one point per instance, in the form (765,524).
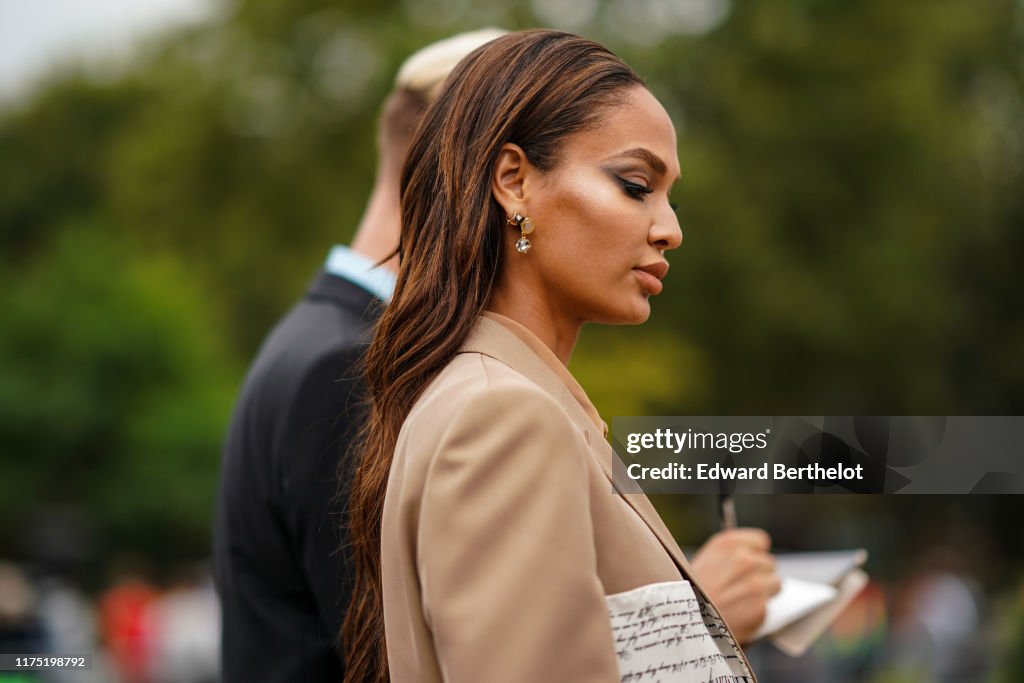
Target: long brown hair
(531,88)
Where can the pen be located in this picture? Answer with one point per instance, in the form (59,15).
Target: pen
(727,511)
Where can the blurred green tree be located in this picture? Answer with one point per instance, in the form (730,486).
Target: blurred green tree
(115,390)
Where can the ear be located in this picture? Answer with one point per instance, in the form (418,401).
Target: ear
(509,180)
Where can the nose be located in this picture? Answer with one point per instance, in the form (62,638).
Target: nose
(666,234)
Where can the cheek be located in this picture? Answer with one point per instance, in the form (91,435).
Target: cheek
(594,238)
(593,222)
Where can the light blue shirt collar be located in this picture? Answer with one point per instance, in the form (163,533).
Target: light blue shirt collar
(356,268)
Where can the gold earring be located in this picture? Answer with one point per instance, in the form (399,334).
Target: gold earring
(525,225)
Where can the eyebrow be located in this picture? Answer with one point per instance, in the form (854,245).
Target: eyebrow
(648,157)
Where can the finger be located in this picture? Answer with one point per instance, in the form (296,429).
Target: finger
(753,559)
(768,562)
(758,589)
(746,564)
(752,537)
(748,537)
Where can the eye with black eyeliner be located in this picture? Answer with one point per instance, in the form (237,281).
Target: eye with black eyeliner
(635,190)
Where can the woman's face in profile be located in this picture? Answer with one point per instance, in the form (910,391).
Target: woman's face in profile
(603,214)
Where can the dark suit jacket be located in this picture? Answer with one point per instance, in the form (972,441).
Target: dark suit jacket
(283,583)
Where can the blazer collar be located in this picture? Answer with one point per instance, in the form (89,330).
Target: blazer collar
(504,339)
(514,345)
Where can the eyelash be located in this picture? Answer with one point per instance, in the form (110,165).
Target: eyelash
(638,191)
(635,190)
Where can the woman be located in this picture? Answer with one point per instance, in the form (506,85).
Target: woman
(486,532)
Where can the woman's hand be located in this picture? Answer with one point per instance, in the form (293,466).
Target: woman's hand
(738,573)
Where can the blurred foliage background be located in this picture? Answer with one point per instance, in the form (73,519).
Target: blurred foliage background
(851,203)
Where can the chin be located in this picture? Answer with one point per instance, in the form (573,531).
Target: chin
(632,313)
(641,316)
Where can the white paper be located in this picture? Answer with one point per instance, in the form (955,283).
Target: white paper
(801,634)
(664,634)
(820,567)
(797,599)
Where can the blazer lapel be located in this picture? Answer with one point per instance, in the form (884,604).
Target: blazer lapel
(640,503)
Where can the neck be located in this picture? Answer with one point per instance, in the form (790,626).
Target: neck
(381,224)
(557,333)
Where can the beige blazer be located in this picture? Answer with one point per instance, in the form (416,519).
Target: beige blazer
(502,533)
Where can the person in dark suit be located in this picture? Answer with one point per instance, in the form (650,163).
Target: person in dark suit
(281,568)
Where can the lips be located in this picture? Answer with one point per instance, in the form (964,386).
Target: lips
(657,269)
(650,276)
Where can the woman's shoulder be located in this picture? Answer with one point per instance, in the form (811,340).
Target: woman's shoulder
(482,421)
(476,388)
(482,416)
(474,377)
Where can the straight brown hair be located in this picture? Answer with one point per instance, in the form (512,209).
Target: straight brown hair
(532,88)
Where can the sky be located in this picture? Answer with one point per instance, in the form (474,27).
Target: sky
(37,35)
